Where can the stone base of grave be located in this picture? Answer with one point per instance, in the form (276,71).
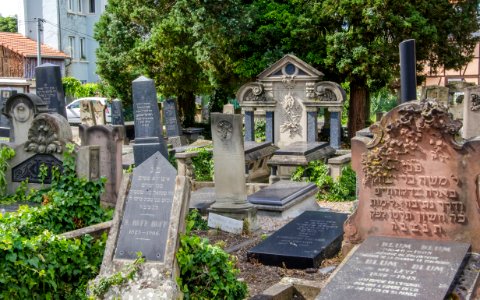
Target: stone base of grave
(285,199)
(148,284)
(297,154)
(244,212)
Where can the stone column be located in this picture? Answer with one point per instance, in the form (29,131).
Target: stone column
(312,113)
(229,159)
(249,125)
(335,127)
(269,127)
(48,79)
(148,133)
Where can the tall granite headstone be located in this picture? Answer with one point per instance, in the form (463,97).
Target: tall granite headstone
(398,268)
(148,133)
(415,180)
(49,87)
(229,158)
(173,124)
(148,221)
(117,112)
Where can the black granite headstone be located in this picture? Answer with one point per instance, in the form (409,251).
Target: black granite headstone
(302,243)
(117,112)
(146,219)
(148,133)
(172,121)
(281,192)
(30,168)
(48,78)
(398,268)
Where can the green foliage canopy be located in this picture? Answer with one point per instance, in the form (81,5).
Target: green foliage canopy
(8,24)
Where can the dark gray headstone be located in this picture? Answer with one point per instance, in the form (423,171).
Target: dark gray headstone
(4,95)
(304,242)
(48,79)
(146,218)
(148,133)
(281,193)
(117,112)
(30,168)
(172,121)
(398,268)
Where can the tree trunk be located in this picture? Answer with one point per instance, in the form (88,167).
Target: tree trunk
(186,106)
(358,109)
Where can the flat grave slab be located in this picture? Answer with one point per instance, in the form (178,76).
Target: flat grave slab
(281,192)
(301,148)
(304,242)
(398,268)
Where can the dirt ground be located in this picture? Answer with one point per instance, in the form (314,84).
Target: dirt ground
(257,276)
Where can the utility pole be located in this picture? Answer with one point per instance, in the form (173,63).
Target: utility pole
(39,41)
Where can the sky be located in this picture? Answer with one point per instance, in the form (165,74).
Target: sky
(8,7)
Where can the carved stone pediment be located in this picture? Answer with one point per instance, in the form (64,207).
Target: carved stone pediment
(48,133)
(290,66)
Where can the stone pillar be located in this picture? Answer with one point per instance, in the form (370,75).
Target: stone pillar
(229,158)
(88,162)
(48,79)
(249,125)
(312,113)
(148,133)
(184,164)
(117,112)
(335,128)
(269,126)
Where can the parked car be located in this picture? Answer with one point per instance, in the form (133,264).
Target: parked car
(73,109)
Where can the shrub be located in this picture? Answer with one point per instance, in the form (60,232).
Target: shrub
(206,271)
(342,189)
(203,164)
(196,221)
(260,127)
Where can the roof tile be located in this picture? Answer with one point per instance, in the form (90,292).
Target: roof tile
(27,47)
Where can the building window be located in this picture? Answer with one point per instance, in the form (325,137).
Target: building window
(71,46)
(70,5)
(80,6)
(92,7)
(83,55)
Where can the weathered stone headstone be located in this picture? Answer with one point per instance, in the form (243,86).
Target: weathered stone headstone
(92,113)
(45,144)
(88,162)
(471,113)
(415,180)
(436,92)
(21,109)
(230,184)
(148,221)
(117,112)
(397,268)
(48,79)
(110,140)
(304,242)
(148,133)
(229,109)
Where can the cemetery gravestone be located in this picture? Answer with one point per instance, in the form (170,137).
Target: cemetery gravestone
(230,184)
(92,113)
(415,180)
(172,123)
(471,113)
(110,140)
(4,121)
(148,134)
(49,87)
(302,243)
(148,221)
(117,112)
(397,268)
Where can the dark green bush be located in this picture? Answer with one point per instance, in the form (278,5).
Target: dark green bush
(203,164)
(206,271)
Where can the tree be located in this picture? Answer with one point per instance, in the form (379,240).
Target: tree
(183,45)
(8,24)
(364,48)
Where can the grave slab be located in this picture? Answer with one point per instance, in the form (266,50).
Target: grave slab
(397,268)
(302,243)
(281,192)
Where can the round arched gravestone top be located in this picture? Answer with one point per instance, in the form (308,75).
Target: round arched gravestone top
(48,134)
(26,100)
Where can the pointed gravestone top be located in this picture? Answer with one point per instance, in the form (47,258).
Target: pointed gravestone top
(143,78)
(146,219)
